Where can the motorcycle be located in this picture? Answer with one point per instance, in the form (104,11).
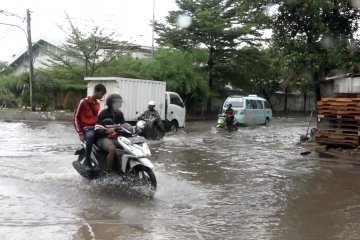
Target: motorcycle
(151,128)
(130,163)
(223,122)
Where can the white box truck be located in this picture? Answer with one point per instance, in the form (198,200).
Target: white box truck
(137,93)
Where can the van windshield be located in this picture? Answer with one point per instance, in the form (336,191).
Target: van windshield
(236,103)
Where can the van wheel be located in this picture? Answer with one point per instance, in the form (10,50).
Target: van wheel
(174,126)
(267,122)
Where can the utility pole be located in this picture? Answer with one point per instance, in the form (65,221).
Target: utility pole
(153,30)
(30,58)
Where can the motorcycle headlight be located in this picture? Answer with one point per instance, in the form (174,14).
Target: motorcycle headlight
(140,126)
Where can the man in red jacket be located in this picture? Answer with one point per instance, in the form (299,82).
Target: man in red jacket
(84,120)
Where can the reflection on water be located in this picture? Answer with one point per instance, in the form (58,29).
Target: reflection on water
(250,184)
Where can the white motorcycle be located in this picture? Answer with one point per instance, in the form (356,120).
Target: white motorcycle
(130,163)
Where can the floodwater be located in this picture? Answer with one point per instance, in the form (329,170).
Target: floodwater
(250,184)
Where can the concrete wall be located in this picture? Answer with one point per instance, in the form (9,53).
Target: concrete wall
(35,116)
(295,103)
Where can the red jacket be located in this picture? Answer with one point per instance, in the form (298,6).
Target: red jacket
(86,114)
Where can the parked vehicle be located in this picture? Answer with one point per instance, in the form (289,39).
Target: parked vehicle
(250,110)
(137,93)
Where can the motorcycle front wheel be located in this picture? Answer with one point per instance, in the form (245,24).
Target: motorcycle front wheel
(144,176)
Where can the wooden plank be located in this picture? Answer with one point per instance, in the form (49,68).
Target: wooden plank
(341,108)
(338,144)
(338,116)
(339,120)
(339,113)
(340,99)
(341,155)
(334,104)
(348,112)
(337,141)
(334,126)
(344,132)
(342,137)
(339,104)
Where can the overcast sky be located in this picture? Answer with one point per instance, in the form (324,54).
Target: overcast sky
(130,18)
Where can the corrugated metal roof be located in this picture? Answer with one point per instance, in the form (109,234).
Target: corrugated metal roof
(329,79)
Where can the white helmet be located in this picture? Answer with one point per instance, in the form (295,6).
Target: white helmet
(151,103)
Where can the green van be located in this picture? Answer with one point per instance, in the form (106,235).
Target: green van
(250,110)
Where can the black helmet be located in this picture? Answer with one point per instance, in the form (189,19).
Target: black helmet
(113,98)
(229,105)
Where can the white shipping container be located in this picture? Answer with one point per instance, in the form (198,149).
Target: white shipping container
(136,94)
(347,85)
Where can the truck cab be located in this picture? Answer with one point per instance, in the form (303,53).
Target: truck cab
(175,110)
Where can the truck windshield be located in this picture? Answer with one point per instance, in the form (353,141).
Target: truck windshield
(236,103)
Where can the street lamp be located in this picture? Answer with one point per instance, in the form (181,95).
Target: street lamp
(153,30)
(30,56)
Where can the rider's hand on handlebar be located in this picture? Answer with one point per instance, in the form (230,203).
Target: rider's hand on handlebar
(111,130)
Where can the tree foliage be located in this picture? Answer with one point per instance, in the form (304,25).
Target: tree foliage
(181,70)
(220,26)
(314,37)
(84,53)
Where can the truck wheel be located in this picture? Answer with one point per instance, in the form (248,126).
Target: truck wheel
(174,126)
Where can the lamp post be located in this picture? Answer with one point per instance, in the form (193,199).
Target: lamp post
(30,55)
(153,30)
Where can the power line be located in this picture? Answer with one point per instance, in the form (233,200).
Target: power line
(13,25)
(72,18)
(6,33)
(9,14)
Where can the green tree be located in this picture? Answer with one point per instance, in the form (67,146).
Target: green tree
(6,98)
(124,66)
(5,69)
(84,53)
(181,70)
(313,36)
(220,26)
(257,72)
(14,88)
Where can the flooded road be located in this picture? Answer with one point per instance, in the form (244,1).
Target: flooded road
(251,184)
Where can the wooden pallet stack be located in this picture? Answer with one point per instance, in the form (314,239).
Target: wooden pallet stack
(339,122)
